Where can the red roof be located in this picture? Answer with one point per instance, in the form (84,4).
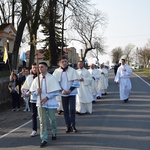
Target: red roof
(65,49)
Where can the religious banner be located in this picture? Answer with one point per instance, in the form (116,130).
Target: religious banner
(5,57)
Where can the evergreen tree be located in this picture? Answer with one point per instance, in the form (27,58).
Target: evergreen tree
(50,37)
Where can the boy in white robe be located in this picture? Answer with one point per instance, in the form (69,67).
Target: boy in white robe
(33,98)
(123,78)
(84,97)
(68,80)
(59,100)
(47,105)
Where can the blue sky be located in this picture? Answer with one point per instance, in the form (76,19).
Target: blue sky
(128,22)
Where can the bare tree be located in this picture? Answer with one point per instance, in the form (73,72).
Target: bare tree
(87,29)
(33,25)
(65,4)
(9,10)
(97,51)
(127,53)
(25,6)
(3,9)
(144,56)
(116,54)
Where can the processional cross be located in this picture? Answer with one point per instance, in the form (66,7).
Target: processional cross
(34,42)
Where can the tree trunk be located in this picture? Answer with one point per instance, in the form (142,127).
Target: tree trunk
(52,44)
(63,18)
(24,20)
(33,30)
(4,20)
(13,11)
(86,51)
(32,50)
(17,43)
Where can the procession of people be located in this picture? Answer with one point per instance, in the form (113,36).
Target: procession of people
(69,90)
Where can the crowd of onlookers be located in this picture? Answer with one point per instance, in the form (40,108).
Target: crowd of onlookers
(16,81)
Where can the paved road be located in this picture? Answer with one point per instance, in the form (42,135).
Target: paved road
(114,125)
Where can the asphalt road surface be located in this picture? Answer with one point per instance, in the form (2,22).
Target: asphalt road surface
(113,125)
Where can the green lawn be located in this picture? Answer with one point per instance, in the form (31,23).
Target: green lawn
(145,72)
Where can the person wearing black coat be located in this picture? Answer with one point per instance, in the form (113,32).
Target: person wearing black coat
(14,86)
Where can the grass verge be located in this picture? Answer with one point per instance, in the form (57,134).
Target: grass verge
(145,72)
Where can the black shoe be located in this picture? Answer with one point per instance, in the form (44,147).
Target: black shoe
(53,136)
(93,102)
(43,143)
(59,112)
(98,97)
(126,100)
(69,129)
(74,129)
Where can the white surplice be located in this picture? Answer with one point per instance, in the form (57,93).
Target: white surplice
(26,86)
(84,97)
(104,80)
(50,88)
(122,77)
(71,76)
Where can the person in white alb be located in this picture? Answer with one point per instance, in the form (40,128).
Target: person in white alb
(95,82)
(47,105)
(123,78)
(104,79)
(59,100)
(84,97)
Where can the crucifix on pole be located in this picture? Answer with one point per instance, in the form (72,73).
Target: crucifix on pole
(34,42)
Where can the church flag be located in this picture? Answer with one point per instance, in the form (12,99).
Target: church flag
(23,56)
(5,56)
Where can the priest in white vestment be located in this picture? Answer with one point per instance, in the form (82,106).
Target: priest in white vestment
(123,78)
(84,97)
(95,82)
(48,104)
(104,79)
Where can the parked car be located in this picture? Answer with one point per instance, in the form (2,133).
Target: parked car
(112,67)
(141,67)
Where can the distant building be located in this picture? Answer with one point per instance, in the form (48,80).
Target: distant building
(72,55)
(7,37)
(40,58)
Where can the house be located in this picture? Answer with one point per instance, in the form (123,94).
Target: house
(7,37)
(40,57)
(73,57)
